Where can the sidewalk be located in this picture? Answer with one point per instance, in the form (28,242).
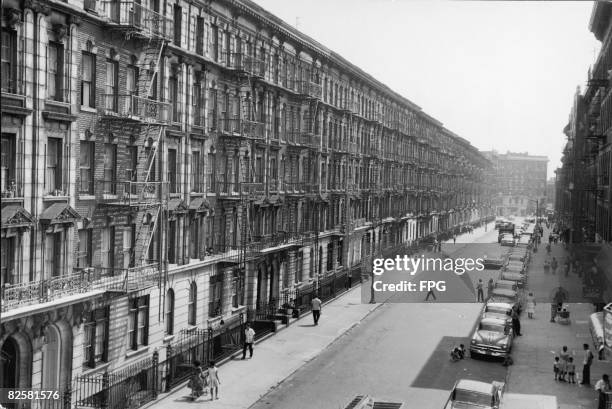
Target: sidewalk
(542,340)
(244,382)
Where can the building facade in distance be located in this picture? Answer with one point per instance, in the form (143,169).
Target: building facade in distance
(172,169)
(519,180)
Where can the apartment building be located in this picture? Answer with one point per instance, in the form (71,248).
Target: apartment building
(188,165)
(520,182)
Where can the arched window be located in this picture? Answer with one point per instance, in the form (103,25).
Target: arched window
(170,312)
(193,296)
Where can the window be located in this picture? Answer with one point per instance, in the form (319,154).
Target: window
(86,167)
(197,103)
(238,289)
(194,238)
(196,169)
(192,306)
(108,247)
(131,81)
(132,163)
(55,71)
(7,261)
(138,322)
(54,255)
(88,78)
(340,250)
(9,61)
(210,241)
(172,242)
(178,16)
(330,256)
(110,168)
(210,172)
(110,90)
(53,179)
(172,170)
(216,286)
(7,165)
(84,254)
(299,261)
(173,96)
(95,341)
(200,35)
(170,312)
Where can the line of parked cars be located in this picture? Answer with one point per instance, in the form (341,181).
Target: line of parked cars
(493,335)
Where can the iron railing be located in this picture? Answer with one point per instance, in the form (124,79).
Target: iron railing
(248,64)
(133,193)
(126,106)
(142,20)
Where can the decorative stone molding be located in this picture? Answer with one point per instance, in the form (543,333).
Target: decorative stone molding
(76,20)
(61,31)
(13,17)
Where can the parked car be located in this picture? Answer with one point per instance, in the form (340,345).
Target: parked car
(507,284)
(492,337)
(517,257)
(507,240)
(469,394)
(515,265)
(517,278)
(494,263)
(507,296)
(524,241)
(499,310)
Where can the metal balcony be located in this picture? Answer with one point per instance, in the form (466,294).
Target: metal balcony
(132,194)
(133,107)
(137,19)
(310,89)
(248,64)
(309,140)
(241,128)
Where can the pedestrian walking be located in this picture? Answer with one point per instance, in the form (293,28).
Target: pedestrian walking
(454,239)
(213,380)
(564,359)
(586,365)
(196,382)
(603,387)
(430,293)
(553,265)
(490,286)
(546,266)
(479,288)
(516,323)
(316,309)
(556,368)
(567,268)
(531,304)
(571,370)
(249,337)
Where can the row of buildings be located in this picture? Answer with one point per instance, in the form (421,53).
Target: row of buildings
(186,164)
(519,181)
(583,202)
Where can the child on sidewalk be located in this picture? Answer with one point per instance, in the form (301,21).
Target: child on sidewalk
(556,368)
(571,371)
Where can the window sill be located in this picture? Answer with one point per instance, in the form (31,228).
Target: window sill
(168,338)
(86,197)
(175,195)
(99,368)
(56,198)
(88,109)
(196,194)
(239,309)
(108,196)
(139,351)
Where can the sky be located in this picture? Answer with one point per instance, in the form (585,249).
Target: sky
(500,74)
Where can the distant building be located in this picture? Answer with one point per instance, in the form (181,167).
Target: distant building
(519,180)
(550,193)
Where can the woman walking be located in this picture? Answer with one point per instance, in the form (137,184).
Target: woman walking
(213,380)
(196,383)
(531,304)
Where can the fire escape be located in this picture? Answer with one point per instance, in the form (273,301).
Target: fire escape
(139,116)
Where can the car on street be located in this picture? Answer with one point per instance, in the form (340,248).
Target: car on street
(517,278)
(499,310)
(524,241)
(515,265)
(516,257)
(492,337)
(507,240)
(469,394)
(507,296)
(507,284)
(493,263)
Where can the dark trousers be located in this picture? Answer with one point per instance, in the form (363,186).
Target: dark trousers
(480,295)
(248,345)
(430,293)
(315,315)
(516,326)
(586,374)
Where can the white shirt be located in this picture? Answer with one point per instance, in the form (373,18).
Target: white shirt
(316,304)
(249,334)
(601,386)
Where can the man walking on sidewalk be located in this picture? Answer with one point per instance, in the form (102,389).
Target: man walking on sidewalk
(316,309)
(249,337)
(586,365)
(479,287)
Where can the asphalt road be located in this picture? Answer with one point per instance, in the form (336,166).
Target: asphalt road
(400,353)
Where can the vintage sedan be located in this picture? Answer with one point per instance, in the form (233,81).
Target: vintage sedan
(493,263)
(500,310)
(507,240)
(517,257)
(469,394)
(507,284)
(513,276)
(507,296)
(493,337)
